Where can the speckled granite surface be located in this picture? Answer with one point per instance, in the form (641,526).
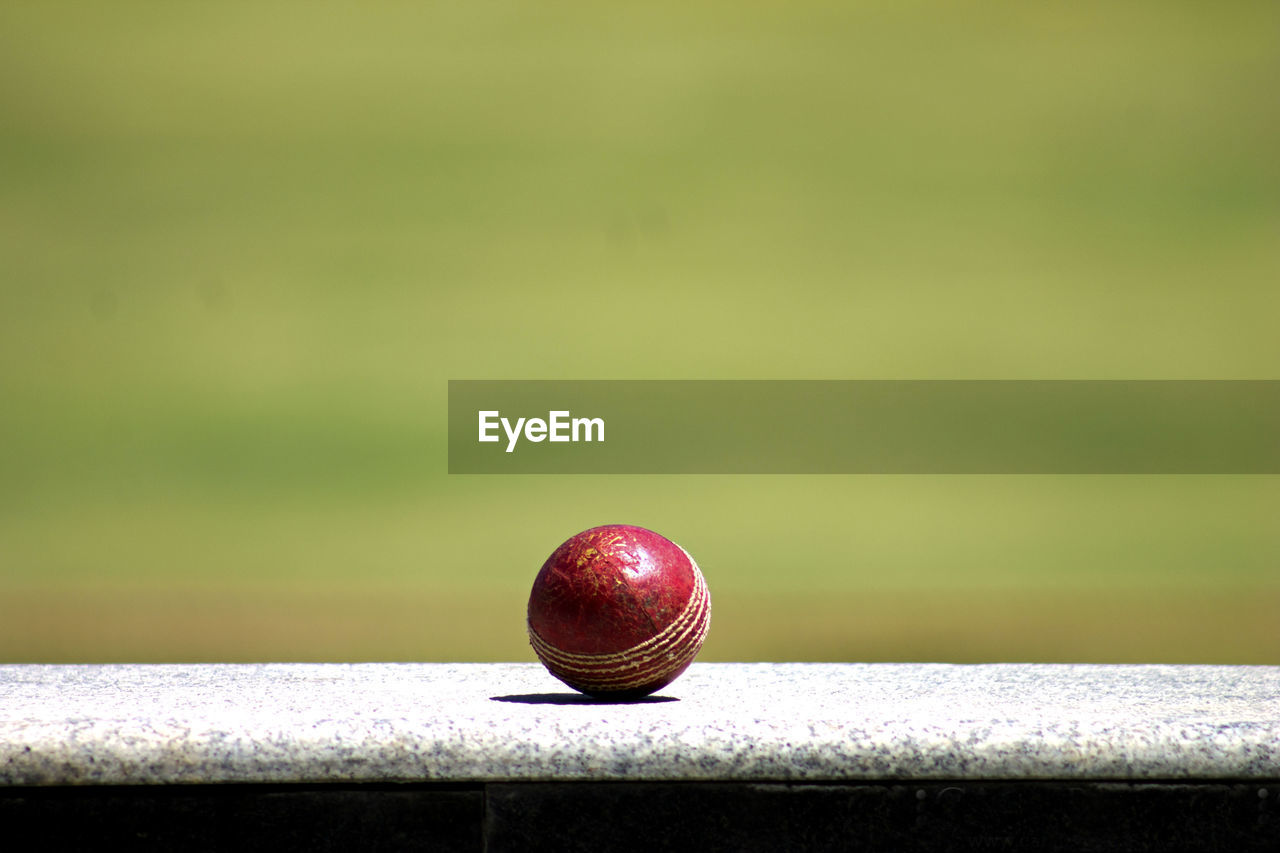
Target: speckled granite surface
(140,724)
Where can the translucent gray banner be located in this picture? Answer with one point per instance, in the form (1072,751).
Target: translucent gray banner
(864,427)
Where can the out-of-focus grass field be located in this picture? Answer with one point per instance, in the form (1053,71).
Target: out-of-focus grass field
(244,245)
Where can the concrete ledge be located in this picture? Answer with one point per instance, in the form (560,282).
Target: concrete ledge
(744,757)
(461,723)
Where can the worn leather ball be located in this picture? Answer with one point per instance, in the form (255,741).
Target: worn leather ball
(618,611)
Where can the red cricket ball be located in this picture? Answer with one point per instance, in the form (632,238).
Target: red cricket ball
(618,611)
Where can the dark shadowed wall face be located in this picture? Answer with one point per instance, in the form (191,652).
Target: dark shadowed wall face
(243,247)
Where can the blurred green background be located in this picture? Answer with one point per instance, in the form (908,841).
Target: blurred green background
(244,245)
